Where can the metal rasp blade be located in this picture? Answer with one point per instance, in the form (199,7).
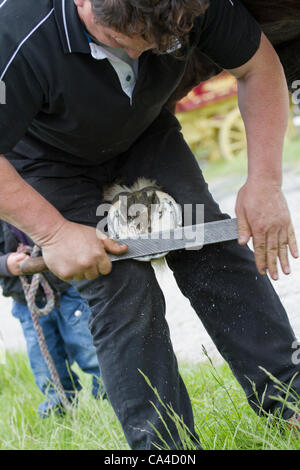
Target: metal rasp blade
(190,237)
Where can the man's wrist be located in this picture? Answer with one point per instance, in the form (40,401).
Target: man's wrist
(45,233)
(266,167)
(265,178)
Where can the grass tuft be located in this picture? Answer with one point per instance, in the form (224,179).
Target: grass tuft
(223,418)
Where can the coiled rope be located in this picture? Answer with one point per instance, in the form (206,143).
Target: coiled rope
(30,291)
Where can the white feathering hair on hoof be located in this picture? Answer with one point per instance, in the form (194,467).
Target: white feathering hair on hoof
(141,208)
(113,191)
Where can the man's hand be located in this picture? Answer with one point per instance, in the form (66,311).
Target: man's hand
(71,251)
(76,252)
(262,213)
(13,263)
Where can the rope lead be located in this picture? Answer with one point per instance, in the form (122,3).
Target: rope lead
(30,291)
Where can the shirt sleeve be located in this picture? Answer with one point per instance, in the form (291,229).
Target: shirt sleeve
(21,100)
(4,272)
(228,34)
(3,256)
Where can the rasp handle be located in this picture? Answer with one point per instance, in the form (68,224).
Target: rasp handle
(33,266)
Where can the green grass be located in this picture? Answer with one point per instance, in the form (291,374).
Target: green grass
(223,418)
(238,166)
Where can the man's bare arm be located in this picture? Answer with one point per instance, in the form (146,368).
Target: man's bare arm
(71,251)
(23,207)
(261,207)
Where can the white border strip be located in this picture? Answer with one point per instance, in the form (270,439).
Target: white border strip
(65,24)
(24,40)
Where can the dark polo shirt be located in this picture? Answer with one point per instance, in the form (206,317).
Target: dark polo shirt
(64,106)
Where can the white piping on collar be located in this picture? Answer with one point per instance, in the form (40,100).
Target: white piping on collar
(65,24)
(3,3)
(23,41)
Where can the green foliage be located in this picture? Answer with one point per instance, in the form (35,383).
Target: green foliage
(92,425)
(223,417)
(237,167)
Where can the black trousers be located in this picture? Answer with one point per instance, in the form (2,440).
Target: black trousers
(238,307)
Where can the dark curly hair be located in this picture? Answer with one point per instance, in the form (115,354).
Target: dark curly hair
(162,22)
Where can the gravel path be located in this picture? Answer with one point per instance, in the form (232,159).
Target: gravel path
(187,332)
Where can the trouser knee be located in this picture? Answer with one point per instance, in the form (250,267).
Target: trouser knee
(126,298)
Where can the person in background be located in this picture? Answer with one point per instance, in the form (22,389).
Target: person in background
(65,327)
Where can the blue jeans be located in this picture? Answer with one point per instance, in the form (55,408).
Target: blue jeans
(68,340)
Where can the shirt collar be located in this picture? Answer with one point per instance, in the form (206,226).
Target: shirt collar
(72,31)
(96,50)
(100,53)
(70,27)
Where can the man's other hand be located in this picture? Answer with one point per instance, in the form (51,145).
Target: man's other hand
(263,213)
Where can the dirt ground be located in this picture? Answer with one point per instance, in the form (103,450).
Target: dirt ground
(187,332)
